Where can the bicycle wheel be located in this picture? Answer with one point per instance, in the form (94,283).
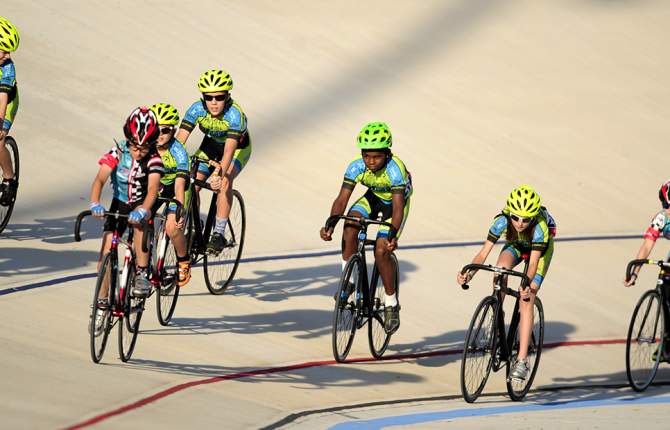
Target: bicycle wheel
(99,324)
(129,325)
(645,336)
(6,211)
(165,267)
(478,350)
(378,339)
(220,268)
(347,312)
(517,389)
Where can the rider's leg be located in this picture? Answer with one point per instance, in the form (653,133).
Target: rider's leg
(104,249)
(385,265)
(178,239)
(5,161)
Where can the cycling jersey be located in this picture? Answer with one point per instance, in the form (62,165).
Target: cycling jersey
(232,124)
(130,178)
(660,225)
(543,232)
(391,178)
(175,162)
(8,85)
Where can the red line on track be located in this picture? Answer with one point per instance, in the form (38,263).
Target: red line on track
(270,370)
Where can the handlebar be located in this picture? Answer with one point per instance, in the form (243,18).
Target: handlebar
(77,226)
(203,184)
(635,263)
(525,281)
(332,220)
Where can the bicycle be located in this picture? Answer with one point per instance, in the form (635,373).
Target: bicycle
(487,345)
(164,263)
(6,211)
(646,333)
(357,301)
(121,307)
(219,268)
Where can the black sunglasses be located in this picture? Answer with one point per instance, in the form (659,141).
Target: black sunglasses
(166,130)
(516,218)
(219,98)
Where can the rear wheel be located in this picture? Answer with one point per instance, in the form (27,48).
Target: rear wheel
(378,338)
(347,311)
(220,268)
(645,338)
(129,325)
(478,350)
(99,324)
(516,388)
(167,292)
(6,211)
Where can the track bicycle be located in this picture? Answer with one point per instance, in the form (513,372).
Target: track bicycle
(6,211)
(120,308)
(358,301)
(487,344)
(219,268)
(646,341)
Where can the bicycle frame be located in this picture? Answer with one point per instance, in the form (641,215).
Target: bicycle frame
(197,243)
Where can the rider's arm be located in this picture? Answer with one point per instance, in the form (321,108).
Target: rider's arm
(228,152)
(99,182)
(533,262)
(153,186)
(340,202)
(398,203)
(182,135)
(4,101)
(644,251)
(180,190)
(483,253)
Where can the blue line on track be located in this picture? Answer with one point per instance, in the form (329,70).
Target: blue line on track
(420,418)
(438,245)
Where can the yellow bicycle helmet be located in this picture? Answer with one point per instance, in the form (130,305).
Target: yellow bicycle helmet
(9,36)
(524,202)
(215,80)
(166,114)
(375,135)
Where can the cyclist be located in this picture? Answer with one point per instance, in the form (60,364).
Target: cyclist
(388,195)
(135,169)
(660,226)
(174,183)
(226,140)
(9,105)
(531,236)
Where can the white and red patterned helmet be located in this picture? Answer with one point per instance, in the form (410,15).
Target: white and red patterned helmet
(141,127)
(664,194)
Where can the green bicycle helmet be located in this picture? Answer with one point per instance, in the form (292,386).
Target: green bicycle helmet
(166,114)
(524,202)
(9,36)
(215,80)
(375,135)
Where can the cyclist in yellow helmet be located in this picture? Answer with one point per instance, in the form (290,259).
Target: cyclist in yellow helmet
(532,237)
(226,140)
(173,183)
(9,105)
(389,190)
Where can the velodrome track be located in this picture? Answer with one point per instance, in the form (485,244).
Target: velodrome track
(572,97)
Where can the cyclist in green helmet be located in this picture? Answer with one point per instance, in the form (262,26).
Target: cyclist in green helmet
(388,196)
(173,183)
(531,236)
(9,105)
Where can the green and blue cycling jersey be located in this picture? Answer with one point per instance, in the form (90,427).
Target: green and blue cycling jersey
(175,162)
(8,85)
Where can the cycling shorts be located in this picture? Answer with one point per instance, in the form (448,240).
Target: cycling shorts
(210,149)
(371,206)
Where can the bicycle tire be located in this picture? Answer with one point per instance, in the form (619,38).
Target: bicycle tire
(6,211)
(98,338)
(129,324)
(220,269)
(346,313)
(516,389)
(480,340)
(378,339)
(167,290)
(643,339)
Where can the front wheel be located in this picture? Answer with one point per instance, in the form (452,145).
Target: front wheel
(129,323)
(517,389)
(645,339)
(378,338)
(100,320)
(13,149)
(165,267)
(478,350)
(220,268)
(347,311)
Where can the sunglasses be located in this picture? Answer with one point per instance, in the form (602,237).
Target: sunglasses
(167,130)
(516,218)
(219,98)
(138,148)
